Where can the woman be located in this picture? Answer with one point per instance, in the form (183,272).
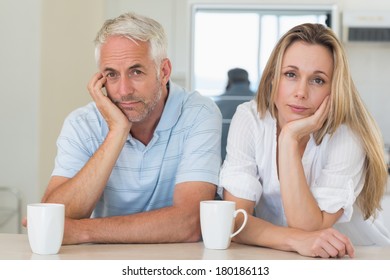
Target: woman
(306,157)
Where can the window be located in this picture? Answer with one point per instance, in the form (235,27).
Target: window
(242,36)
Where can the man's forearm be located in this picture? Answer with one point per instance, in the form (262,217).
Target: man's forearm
(81,193)
(166,225)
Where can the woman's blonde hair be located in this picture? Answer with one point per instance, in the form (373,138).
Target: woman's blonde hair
(346,107)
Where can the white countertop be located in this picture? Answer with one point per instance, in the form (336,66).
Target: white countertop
(16,247)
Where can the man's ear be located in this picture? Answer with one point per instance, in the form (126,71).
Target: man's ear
(166,69)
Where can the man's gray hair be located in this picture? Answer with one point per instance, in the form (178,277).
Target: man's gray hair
(136,28)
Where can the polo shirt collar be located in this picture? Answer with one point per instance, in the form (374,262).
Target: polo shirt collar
(172,109)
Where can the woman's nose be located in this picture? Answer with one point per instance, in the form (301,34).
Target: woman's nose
(301,90)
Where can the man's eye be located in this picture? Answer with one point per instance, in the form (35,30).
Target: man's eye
(135,72)
(111,75)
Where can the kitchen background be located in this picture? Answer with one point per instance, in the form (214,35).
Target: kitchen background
(47,58)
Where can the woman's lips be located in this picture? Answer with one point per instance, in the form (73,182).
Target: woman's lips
(297,108)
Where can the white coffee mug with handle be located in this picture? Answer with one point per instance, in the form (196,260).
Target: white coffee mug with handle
(45,227)
(217,222)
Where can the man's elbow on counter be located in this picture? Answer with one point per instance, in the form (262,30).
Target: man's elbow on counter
(192,234)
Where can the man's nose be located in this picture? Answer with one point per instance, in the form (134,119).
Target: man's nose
(125,86)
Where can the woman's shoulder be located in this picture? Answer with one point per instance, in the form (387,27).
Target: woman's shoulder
(250,126)
(344,134)
(248,110)
(344,141)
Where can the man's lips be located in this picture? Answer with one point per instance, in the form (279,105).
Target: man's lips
(128,104)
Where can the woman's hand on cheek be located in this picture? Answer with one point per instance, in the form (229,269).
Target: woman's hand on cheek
(300,128)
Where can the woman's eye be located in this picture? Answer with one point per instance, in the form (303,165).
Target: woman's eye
(318,81)
(289,74)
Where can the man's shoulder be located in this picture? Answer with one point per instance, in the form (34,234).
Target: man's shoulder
(86,112)
(86,118)
(194,100)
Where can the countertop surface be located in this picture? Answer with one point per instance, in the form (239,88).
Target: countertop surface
(16,247)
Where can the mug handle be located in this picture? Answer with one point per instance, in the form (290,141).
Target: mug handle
(243,223)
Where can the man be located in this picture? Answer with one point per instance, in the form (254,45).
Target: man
(238,83)
(133,165)
(237,91)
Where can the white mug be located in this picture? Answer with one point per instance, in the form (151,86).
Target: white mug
(45,227)
(217,222)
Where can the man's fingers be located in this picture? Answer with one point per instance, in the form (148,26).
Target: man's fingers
(96,84)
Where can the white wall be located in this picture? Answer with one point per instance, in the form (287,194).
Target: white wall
(20,61)
(46,60)
(67,33)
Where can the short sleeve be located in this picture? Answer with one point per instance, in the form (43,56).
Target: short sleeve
(341,177)
(77,141)
(201,159)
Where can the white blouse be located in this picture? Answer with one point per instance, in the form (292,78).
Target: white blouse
(334,171)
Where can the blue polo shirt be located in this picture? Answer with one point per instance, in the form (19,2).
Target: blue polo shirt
(185,147)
